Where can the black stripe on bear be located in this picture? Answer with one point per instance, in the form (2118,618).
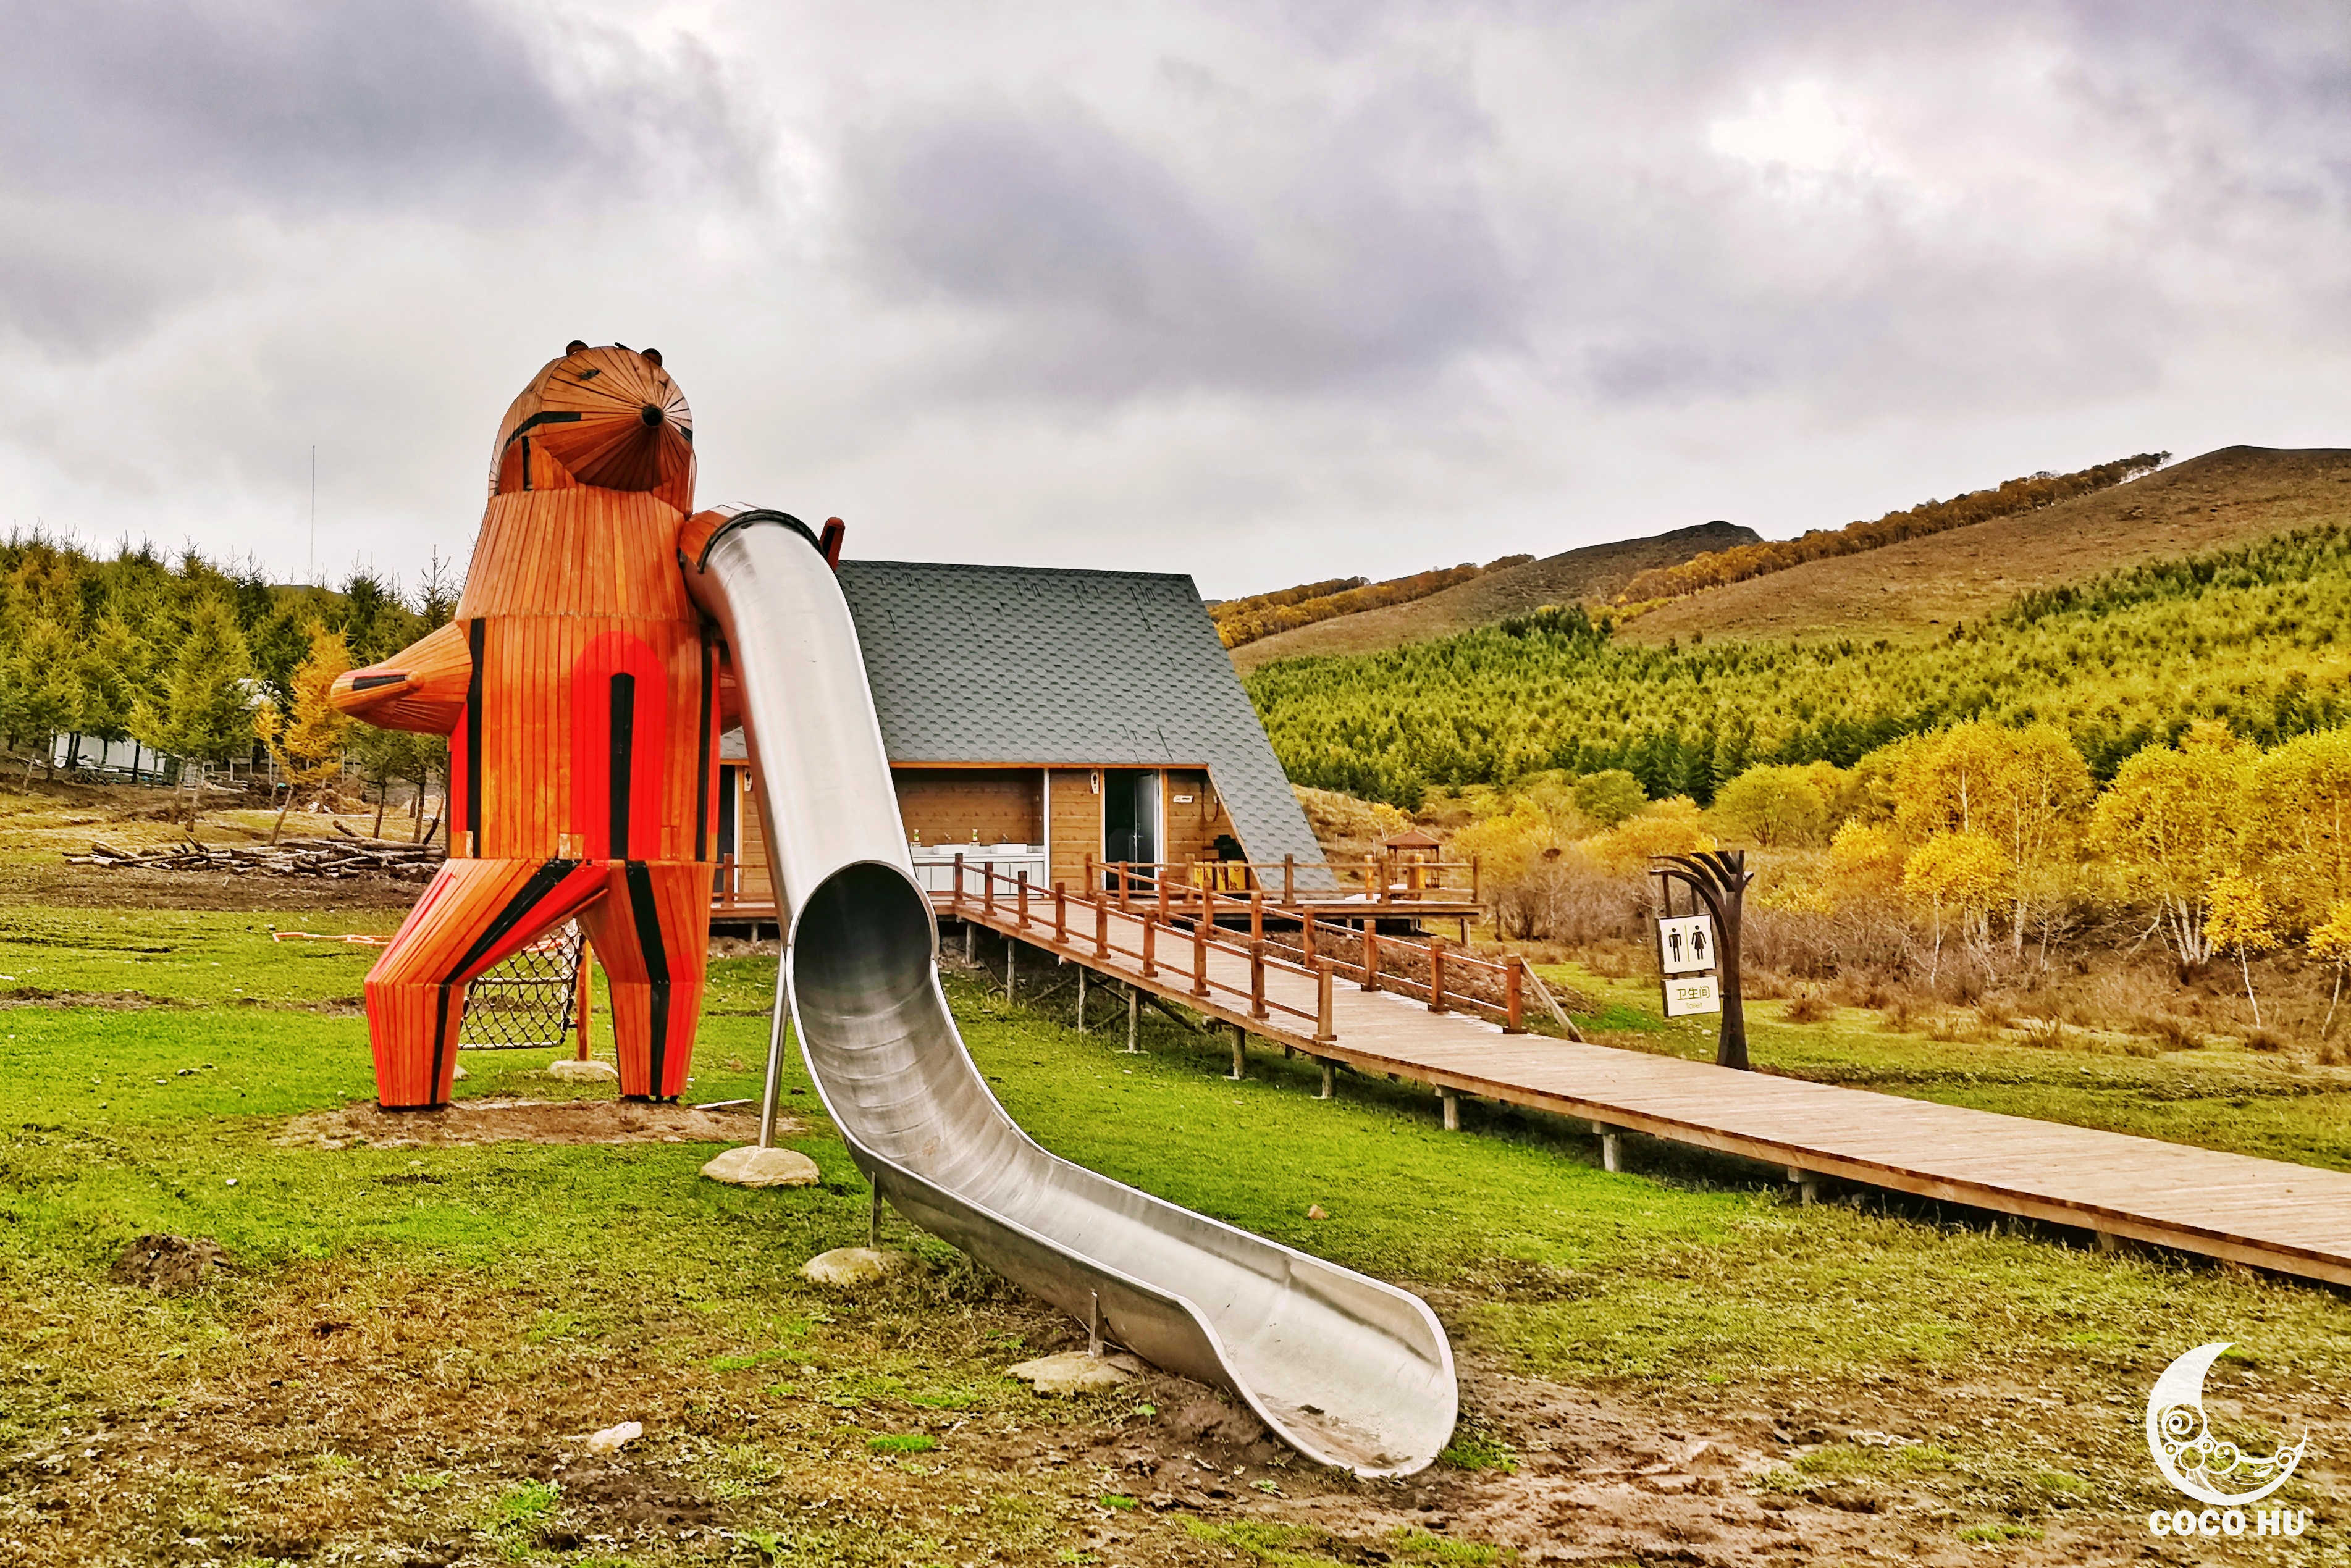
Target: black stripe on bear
(645,912)
(624,726)
(475,634)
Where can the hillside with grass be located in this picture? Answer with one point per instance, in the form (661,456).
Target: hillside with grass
(1922,587)
(2250,637)
(1593,575)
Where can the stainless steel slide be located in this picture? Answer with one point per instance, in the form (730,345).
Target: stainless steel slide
(1347,1370)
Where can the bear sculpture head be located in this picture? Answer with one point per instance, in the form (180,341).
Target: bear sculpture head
(609,417)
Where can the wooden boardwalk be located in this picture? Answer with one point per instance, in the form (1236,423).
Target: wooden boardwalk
(2294,1219)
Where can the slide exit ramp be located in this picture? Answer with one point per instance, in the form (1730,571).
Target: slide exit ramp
(1349,1371)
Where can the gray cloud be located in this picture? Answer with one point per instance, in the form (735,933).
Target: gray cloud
(351,106)
(1097,268)
(1261,291)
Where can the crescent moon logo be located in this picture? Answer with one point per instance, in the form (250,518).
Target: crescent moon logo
(2179,1437)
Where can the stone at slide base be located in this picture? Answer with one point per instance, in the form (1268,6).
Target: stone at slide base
(1075,1372)
(752,1166)
(574,1071)
(850,1267)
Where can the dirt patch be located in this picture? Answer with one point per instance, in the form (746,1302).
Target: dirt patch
(606,1495)
(168,1263)
(468,1123)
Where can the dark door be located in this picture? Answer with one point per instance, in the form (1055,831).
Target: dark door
(1130,815)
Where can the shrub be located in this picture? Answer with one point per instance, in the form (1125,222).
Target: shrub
(1807,1006)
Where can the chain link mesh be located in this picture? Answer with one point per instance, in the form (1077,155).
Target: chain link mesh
(532,1000)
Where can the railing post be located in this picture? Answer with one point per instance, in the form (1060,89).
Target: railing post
(1123,883)
(1437,974)
(1370,957)
(987,887)
(1159,875)
(1513,995)
(1324,1032)
(1306,939)
(1256,914)
(1020,896)
(1062,913)
(1101,928)
(1256,979)
(1200,957)
(1149,946)
(957,904)
(1473,882)
(1092,883)
(1290,879)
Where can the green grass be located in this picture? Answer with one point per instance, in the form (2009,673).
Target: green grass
(440,1320)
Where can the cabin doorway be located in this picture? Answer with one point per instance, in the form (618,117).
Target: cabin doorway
(1130,815)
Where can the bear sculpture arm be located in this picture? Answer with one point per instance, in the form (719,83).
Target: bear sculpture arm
(422,687)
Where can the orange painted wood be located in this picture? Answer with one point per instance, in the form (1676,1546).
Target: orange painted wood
(579,692)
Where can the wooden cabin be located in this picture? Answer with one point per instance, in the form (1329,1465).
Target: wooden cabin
(1048,721)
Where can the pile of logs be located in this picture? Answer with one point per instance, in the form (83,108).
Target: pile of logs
(339,859)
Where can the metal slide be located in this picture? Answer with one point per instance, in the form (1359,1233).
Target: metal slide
(1347,1370)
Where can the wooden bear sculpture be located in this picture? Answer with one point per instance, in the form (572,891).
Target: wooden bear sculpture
(579,691)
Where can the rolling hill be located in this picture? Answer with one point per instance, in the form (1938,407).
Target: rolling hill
(1594,574)
(1922,587)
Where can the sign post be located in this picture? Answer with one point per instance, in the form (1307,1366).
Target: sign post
(1690,944)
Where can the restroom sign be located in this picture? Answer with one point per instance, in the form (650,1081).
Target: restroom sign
(1686,944)
(1688,994)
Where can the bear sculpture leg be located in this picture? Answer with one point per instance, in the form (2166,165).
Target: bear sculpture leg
(474,914)
(651,935)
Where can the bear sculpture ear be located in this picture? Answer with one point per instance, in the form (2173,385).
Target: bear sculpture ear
(573,346)
(652,356)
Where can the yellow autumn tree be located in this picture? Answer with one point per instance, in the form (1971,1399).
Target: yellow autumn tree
(2241,923)
(1671,826)
(308,744)
(2169,825)
(2027,789)
(2298,821)
(2330,943)
(1960,876)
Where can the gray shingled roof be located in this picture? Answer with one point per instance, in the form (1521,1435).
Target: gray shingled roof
(1035,665)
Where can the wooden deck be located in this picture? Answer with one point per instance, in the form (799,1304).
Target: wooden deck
(2294,1219)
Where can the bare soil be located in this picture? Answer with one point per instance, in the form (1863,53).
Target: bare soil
(1927,586)
(471,1123)
(1593,575)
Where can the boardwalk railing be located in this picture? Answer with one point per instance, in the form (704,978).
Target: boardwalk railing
(1178,933)
(1291,882)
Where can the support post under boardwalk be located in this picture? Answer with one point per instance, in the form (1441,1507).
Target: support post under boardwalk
(1081,998)
(1240,1061)
(1134,1021)
(1451,1098)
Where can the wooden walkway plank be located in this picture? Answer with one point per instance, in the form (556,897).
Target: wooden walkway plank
(2292,1219)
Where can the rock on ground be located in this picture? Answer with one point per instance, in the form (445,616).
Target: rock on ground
(573,1071)
(850,1267)
(1075,1372)
(751,1165)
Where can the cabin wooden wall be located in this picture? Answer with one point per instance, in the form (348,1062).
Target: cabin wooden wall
(1191,827)
(756,885)
(1077,829)
(946,804)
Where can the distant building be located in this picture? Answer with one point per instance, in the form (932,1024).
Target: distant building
(1041,718)
(117,758)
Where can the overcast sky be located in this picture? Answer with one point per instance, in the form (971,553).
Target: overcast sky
(1262,292)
